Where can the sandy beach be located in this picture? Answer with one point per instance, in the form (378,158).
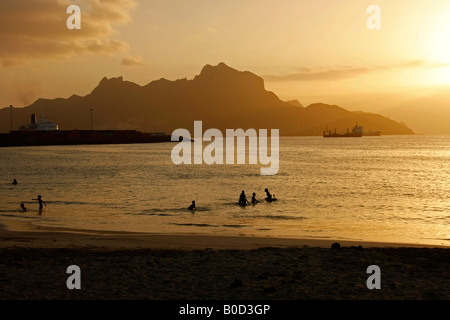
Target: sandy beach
(118,265)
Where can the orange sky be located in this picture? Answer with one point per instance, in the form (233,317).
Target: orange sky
(313,51)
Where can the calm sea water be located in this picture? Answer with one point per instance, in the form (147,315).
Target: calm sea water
(389,188)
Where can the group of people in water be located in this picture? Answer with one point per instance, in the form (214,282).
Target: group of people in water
(39,200)
(41,205)
(243,200)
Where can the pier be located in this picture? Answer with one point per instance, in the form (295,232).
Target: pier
(79,137)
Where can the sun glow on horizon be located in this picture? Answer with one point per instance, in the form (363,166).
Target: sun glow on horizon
(434,36)
(439,76)
(315,48)
(438,35)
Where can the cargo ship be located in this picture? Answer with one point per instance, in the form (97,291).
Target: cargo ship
(47,133)
(356,132)
(372,134)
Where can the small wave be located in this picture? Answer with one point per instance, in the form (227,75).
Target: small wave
(21,215)
(274,217)
(10,214)
(236,204)
(161,210)
(6,211)
(170,211)
(231,204)
(194,225)
(443,218)
(155,214)
(234,226)
(69,203)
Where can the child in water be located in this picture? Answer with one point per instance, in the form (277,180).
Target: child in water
(254,201)
(41,204)
(24,209)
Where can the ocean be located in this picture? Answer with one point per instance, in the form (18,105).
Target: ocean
(388,189)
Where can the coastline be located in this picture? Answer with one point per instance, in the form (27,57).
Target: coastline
(131,266)
(25,234)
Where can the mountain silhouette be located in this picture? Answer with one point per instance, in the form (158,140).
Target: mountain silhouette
(220,96)
(428,115)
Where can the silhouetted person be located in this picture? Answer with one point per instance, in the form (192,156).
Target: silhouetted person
(41,204)
(269,196)
(273,198)
(254,201)
(24,209)
(192,207)
(243,199)
(14,182)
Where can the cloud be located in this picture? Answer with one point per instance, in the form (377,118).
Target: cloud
(415,63)
(340,73)
(326,75)
(212,30)
(36,29)
(19,92)
(132,61)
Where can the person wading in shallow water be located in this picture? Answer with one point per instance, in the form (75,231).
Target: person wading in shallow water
(22,206)
(269,196)
(243,199)
(254,201)
(192,207)
(41,204)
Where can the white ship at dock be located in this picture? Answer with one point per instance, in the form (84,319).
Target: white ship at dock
(42,124)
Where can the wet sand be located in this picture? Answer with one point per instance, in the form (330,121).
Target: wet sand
(119,265)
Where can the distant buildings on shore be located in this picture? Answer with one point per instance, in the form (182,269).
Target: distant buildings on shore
(44,132)
(40,125)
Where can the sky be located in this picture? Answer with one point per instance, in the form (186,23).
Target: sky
(312,51)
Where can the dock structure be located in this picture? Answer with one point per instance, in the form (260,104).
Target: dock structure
(79,137)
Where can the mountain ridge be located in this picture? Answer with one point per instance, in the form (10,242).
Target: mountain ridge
(220,96)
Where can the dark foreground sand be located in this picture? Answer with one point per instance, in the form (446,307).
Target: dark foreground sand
(172,267)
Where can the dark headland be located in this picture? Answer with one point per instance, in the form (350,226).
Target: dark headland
(220,96)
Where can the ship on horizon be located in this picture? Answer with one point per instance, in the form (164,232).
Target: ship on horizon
(357,132)
(372,134)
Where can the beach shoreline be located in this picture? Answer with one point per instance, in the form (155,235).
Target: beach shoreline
(128,266)
(25,234)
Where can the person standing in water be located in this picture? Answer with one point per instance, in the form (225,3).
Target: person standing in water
(41,204)
(243,199)
(14,182)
